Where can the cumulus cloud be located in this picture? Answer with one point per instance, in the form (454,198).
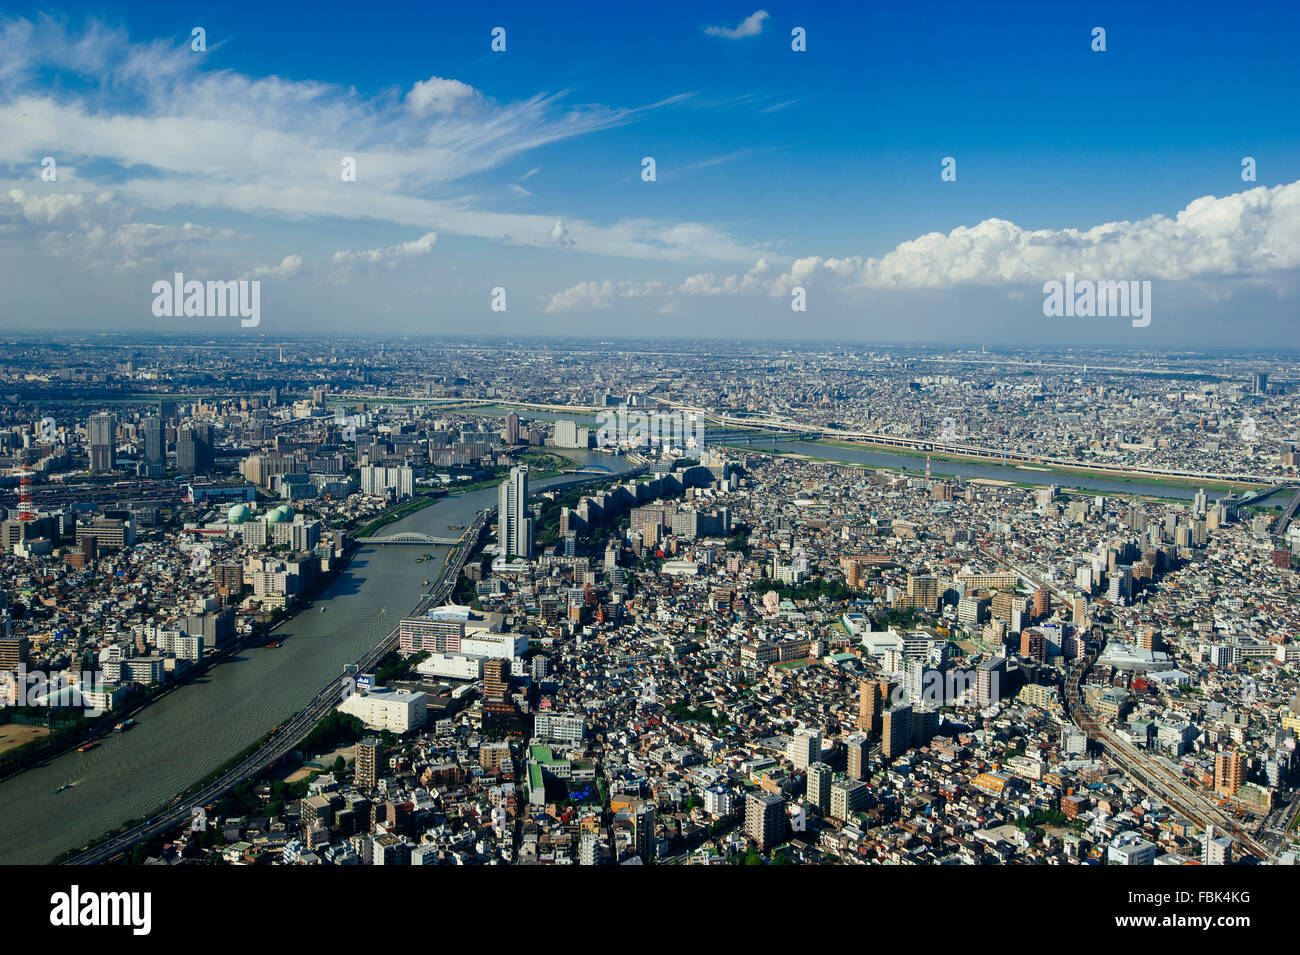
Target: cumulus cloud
(559,234)
(443,96)
(289,265)
(1248,234)
(586,296)
(388,257)
(98,229)
(752,25)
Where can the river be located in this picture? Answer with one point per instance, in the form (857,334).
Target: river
(894,461)
(991,472)
(199,726)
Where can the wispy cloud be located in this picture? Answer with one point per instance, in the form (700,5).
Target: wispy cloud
(166,133)
(777,107)
(673,172)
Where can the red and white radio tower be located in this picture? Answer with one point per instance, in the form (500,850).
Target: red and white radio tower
(927,465)
(25,510)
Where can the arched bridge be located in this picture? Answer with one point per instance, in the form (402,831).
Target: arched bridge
(410,537)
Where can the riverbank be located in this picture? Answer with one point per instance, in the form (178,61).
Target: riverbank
(396,513)
(1062,481)
(56,745)
(449,572)
(191,733)
(1102,473)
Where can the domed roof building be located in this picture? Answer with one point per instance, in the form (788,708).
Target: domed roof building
(237,514)
(280,515)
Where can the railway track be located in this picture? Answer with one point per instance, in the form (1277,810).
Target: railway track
(1160,780)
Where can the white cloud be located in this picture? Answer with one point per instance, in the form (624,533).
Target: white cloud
(598,295)
(388,257)
(752,25)
(169,133)
(290,265)
(438,95)
(559,235)
(98,229)
(1248,234)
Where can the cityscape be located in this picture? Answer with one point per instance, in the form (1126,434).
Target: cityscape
(783,604)
(569,435)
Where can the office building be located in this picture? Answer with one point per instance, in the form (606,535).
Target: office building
(397,711)
(13,653)
(872,695)
(1229,773)
(383,481)
(1130,849)
(847,796)
(228,578)
(430,635)
(643,831)
(194,448)
(1217,849)
(989,676)
(155,448)
(564,728)
(569,435)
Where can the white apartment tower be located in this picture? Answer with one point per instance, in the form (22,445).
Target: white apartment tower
(514,526)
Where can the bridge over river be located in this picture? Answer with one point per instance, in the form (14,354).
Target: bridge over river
(410,537)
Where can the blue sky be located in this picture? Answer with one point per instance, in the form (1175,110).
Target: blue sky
(522,169)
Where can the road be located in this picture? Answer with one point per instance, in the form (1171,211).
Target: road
(287,737)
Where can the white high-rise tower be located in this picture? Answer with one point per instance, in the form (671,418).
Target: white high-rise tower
(514,526)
